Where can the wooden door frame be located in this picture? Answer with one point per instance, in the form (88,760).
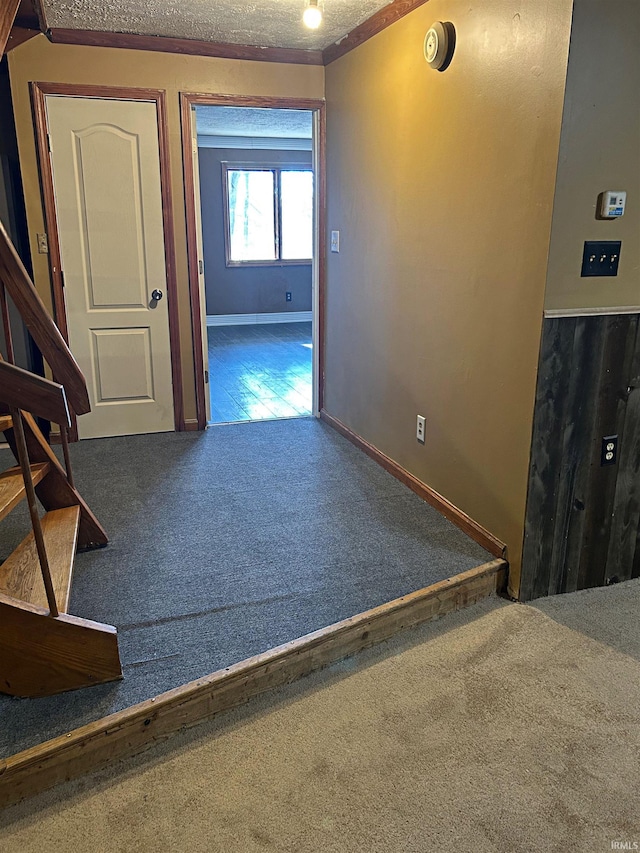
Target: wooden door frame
(38,93)
(187,101)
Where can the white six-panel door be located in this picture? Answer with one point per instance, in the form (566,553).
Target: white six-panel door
(106,174)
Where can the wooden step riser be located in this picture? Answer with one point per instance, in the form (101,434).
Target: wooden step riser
(135,729)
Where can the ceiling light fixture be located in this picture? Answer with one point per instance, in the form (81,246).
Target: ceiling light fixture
(312,16)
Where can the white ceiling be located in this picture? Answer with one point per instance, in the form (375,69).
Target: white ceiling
(254,122)
(264,23)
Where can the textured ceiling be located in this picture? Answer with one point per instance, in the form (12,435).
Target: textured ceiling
(265,23)
(255,122)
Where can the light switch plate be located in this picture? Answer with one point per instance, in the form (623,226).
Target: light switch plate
(335,241)
(600,258)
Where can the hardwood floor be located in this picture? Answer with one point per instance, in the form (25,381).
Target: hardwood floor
(260,372)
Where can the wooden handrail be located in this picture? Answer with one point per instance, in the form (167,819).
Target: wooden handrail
(20,389)
(41,326)
(8,12)
(6,325)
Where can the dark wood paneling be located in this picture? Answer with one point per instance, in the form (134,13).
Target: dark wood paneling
(188,47)
(582,524)
(372,26)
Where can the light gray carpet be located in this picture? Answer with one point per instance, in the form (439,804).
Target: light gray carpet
(504,728)
(226,544)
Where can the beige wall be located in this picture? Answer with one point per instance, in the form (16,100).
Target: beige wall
(441,185)
(42,61)
(599,150)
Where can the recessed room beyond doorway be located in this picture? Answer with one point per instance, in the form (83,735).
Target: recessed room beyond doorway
(255,179)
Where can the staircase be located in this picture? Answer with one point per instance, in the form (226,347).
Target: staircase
(43,649)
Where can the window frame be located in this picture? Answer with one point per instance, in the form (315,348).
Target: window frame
(277,169)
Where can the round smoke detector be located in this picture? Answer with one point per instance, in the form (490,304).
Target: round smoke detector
(439,43)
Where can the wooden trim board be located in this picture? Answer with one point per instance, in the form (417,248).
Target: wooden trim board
(20,35)
(188,47)
(382,19)
(474,530)
(379,21)
(138,728)
(197,309)
(8,12)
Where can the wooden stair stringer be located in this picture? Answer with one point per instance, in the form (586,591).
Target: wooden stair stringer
(41,655)
(55,491)
(20,574)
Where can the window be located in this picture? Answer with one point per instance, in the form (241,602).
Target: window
(268,214)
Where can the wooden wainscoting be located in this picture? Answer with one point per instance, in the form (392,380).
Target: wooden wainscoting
(583,519)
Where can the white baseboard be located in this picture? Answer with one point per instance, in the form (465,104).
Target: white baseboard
(249,319)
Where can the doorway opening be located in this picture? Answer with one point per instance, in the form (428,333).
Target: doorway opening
(254,254)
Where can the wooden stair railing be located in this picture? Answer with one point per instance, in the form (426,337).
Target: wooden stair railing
(47,400)
(8,12)
(43,330)
(42,649)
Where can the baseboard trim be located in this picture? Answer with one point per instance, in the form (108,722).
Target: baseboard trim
(191,425)
(138,728)
(254,319)
(474,530)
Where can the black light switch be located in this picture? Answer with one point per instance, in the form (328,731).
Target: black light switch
(600,257)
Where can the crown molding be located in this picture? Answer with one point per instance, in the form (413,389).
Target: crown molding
(188,47)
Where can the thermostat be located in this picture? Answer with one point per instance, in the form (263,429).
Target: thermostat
(612,204)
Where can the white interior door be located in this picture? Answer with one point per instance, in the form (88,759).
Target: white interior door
(203,295)
(106,175)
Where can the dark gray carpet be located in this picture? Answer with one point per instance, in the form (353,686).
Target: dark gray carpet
(225,544)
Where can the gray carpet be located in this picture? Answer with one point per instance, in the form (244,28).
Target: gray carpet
(504,728)
(225,544)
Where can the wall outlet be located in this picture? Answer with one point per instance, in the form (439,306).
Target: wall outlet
(43,244)
(609,451)
(288,296)
(421,425)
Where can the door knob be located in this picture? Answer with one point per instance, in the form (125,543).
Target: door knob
(156,295)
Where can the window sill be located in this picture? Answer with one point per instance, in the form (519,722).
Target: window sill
(239,264)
